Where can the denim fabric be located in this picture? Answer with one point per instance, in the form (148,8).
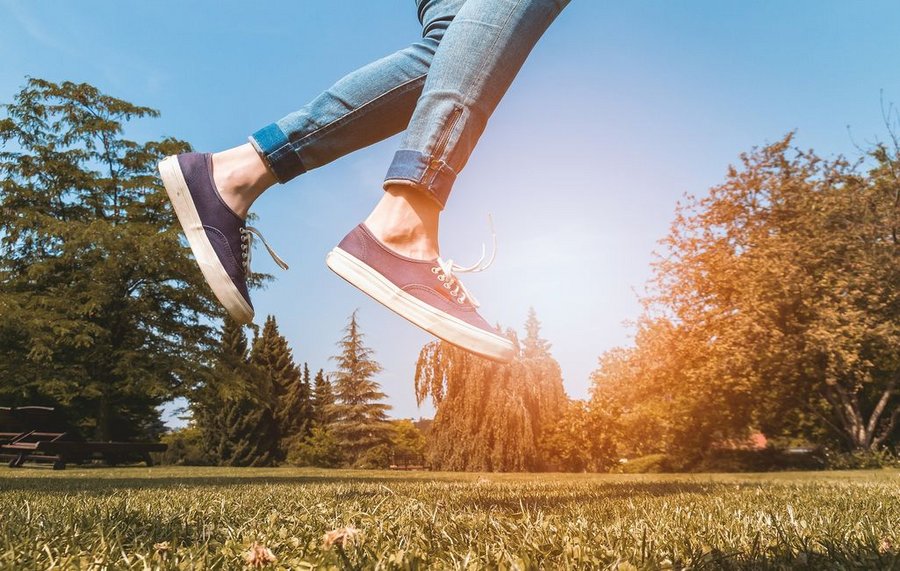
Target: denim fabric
(442,89)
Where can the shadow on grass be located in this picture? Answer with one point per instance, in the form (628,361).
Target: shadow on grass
(101,485)
(830,557)
(496,496)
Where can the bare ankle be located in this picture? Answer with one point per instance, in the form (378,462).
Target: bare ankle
(407,223)
(241,177)
(410,242)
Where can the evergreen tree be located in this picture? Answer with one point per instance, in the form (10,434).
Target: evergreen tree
(236,413)
(102,310)
(296,407)
(359,419)
(323,399)
(273,357)
(534,345)
(546,385)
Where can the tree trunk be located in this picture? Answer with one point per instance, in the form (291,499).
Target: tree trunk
(865,434)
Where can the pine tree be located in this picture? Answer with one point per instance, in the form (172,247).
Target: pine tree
(359,419)
(236,412)
(545,384)
(319,446)
(296,407)
(534,345)
(226,384)
(322,400)
(272,355)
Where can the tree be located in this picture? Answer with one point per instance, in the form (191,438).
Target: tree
(359,419)
(322,400)
(780,286)
(319,446)
(102,310)
(584,439)
(407,446)
(185,448)
(273,357)
(236,412)
(545,383)
(490,416)
(660,401)
(534,346)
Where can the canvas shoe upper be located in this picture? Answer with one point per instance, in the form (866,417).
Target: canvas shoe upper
(220,239)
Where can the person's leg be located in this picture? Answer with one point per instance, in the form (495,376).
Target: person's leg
(480,54)
(364,107)
(393,255)
(211,193)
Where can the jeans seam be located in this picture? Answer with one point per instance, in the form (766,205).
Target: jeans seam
(480,75)
(324,129)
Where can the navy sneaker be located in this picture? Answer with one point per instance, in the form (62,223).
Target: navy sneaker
(425,292)
(220,239)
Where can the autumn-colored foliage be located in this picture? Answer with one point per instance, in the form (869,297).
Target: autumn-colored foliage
(775,305)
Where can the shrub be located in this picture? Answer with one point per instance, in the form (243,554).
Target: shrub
(319,449)
(861,460)
(650,464)
(185,448)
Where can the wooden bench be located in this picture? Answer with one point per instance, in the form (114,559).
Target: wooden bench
(60,447)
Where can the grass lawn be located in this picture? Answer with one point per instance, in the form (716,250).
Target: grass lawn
(208,518)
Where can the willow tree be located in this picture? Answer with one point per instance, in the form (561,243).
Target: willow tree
(489,416)
(102,310)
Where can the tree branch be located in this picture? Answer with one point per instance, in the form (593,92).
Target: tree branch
(879,408)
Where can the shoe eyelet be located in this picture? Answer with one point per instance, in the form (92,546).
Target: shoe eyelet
(447,286)
(440,278)
(434,270)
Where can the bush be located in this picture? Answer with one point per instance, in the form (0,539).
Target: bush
(375,457)
(185,448)
(765,460)
(320,449)
(862,460)
(650,464)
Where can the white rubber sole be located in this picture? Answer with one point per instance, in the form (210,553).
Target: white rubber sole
(450,329)
(216,276)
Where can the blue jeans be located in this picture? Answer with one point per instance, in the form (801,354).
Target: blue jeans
(441,89)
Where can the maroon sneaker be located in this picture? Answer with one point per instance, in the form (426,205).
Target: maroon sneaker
(425,292)
(220,239)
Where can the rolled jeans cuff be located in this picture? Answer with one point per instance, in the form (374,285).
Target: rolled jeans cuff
(277,152)
(432,176)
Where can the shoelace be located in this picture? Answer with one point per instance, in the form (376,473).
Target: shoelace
(446,269)
(247,239)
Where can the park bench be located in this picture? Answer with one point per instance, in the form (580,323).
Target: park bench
(37,434)
(7,429)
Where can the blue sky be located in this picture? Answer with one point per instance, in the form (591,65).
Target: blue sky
(621,108)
